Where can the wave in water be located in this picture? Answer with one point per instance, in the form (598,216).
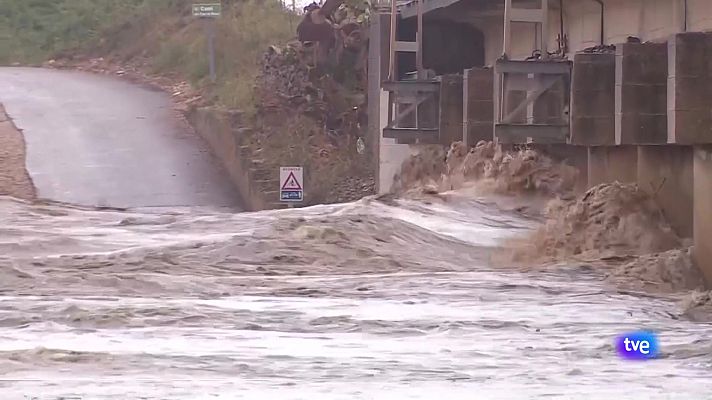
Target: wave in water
(394,298)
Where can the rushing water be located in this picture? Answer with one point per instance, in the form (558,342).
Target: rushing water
(369,300)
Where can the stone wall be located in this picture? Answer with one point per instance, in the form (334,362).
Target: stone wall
(223,135)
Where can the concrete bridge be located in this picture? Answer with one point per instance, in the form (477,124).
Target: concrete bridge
(622,87)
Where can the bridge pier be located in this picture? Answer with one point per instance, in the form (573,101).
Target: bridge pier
(612,163)
(665,172)
(702,213)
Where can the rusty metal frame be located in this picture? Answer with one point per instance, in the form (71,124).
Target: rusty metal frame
(410,94)
(535,78)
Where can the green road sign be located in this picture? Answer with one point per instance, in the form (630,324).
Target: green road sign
(207,10)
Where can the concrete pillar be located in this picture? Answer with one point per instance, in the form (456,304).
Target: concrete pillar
(703,210)
(612,163)
(690,88)
(478,85)
(641,93)
(389,156)
(665,172)
(593,99)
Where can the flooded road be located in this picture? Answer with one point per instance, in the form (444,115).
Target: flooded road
(98,141)
(359,301)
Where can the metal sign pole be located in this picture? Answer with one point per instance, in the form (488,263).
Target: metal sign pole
(209,12)
(211,49)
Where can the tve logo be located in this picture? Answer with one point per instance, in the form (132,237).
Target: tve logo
(641,345)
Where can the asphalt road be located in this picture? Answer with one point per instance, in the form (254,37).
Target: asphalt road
(98,141)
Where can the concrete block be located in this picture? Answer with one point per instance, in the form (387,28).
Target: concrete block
(690,88)
(478,105)
(391,160)
(451,109)
(702,213)
(642,63)
(665,172)
(689,93)
(641,129)
(592,71)
(688,54)
(593,99)
(643,99)
(593,130)
(608,164)
(598,103)
(689,127)
(641,93)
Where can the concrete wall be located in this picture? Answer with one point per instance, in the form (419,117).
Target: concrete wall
(523,37)
(647,19)
(612,163)
(219,130)
(665,172)
(703,210)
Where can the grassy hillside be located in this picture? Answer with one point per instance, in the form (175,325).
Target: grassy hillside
(161,32)
(32,30)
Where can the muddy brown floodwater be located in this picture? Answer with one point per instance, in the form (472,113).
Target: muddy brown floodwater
(368,300)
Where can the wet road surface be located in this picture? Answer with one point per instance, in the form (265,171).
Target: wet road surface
(98,141)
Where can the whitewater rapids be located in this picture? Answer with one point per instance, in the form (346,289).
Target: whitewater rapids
(370,300)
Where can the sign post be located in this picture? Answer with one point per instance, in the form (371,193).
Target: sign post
(209,12)
(291,185)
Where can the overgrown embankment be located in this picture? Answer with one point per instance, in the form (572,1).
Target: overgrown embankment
(289,111)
